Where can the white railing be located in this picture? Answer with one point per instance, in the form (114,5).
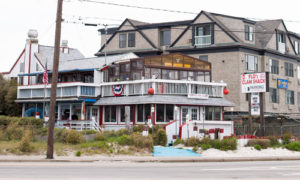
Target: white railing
(203,40)
(74,89)
(78,125)
(166,87)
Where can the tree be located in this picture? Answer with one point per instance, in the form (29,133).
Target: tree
(3,92)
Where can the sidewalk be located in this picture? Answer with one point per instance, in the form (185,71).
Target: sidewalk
(141,159)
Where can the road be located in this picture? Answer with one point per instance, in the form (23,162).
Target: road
(268,170)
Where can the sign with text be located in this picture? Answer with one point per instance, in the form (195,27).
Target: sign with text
(198,96)
(255,109)
(282,83)
(254,82)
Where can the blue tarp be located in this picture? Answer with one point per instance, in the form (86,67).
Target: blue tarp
(173,152)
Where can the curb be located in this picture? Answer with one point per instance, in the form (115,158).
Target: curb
(44,160)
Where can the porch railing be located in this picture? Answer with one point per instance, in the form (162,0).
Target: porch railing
(78,125)
(166,87)
(74,89)
(203,40)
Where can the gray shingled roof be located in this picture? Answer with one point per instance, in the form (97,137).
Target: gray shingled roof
(265,31)
(94,62)
(163,99)
(46,54)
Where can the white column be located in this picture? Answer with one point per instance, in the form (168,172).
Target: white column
(70,115)
(58,109)
(23,110)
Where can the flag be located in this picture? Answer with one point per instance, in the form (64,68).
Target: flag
(45,75)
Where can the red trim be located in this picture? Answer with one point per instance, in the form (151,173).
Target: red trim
(133,115)
(101,115)
(106,67)
(180,130)
(29,63)
(179,107)
(39,61)
(4,73)
(16,62)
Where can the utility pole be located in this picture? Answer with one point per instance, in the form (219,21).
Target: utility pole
(54,80)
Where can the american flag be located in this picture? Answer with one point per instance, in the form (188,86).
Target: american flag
(45,75)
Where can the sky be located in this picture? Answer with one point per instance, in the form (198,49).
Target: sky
(18,16)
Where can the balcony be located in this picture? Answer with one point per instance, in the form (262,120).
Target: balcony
(203,40)
(72,89)
(166,87)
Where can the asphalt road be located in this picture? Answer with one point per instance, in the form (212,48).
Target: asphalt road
(267,170)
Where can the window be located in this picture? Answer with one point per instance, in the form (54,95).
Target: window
(143,111)
(288,69)
(289,97)
(203,30)
(122,114)
(296,45)
(274,66)
(281,42)
(213,113)
(251,63)
(125,68)
(122,40)
(164,113)
(204,57)
(298,72)
(183,75)
(169,74)
(110,114)
(248,33)
(131,39)
(203,35)
(165,37)
(274,95)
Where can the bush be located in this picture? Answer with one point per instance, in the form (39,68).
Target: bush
(24,145)
(14,131)
(205,140)
(125,140)
(192,141)
(264,143)
(140,141)
(161,138)
(273,141)
(91,131)
(138,128)
(60,134)
(178,141)
(78,153)
(99,136)
(6,120)
(122,132)
(228,144)
(286,138)
(257,147)
(294,146)
(109,134)
(73,137)
(205,147)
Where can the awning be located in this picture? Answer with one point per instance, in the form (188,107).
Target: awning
(163,99)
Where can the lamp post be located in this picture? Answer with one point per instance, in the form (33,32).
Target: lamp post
(152,118)
(187,123)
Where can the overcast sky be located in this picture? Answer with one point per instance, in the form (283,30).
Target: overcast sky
(18,16)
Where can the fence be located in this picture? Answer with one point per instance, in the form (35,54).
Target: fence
(270,130)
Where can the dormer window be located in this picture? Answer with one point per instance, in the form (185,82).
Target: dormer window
(296,45)
(122,40)
(203,35)
(249,35)
(281,41)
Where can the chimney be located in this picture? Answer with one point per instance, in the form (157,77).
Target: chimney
(32,36)
(64,46)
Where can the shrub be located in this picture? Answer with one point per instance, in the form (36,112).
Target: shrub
(60,134)
(273,141)
(14,131)
(215,144)
(205,140)
(195,149)
(91,131)
(286,138)
(73,137)
(161,137)
(205,146)
(192,141)
(264,143)
(257,147)
(109,134)
(178,141)
(122,132)
(228,144)
(140,141)
(125,140)
(78,153)
(24,145)
(99,136)
(294,146)
(138,128)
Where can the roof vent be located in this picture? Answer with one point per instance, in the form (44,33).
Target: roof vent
(32,36)
(64,43)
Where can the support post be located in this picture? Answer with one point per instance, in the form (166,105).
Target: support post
(249,114)
(262,119)
(50,141)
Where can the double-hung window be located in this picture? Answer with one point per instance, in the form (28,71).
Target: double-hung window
(249,33)
(203,35)
(274,66)
(288,69)
(110,114)
(122,40)
(251,63)
(281,41)
(212,113)
(274,95)
(289,97)
(131,39)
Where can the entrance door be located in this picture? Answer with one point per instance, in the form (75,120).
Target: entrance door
(192,111)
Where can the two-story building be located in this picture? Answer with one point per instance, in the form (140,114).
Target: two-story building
(233,46)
